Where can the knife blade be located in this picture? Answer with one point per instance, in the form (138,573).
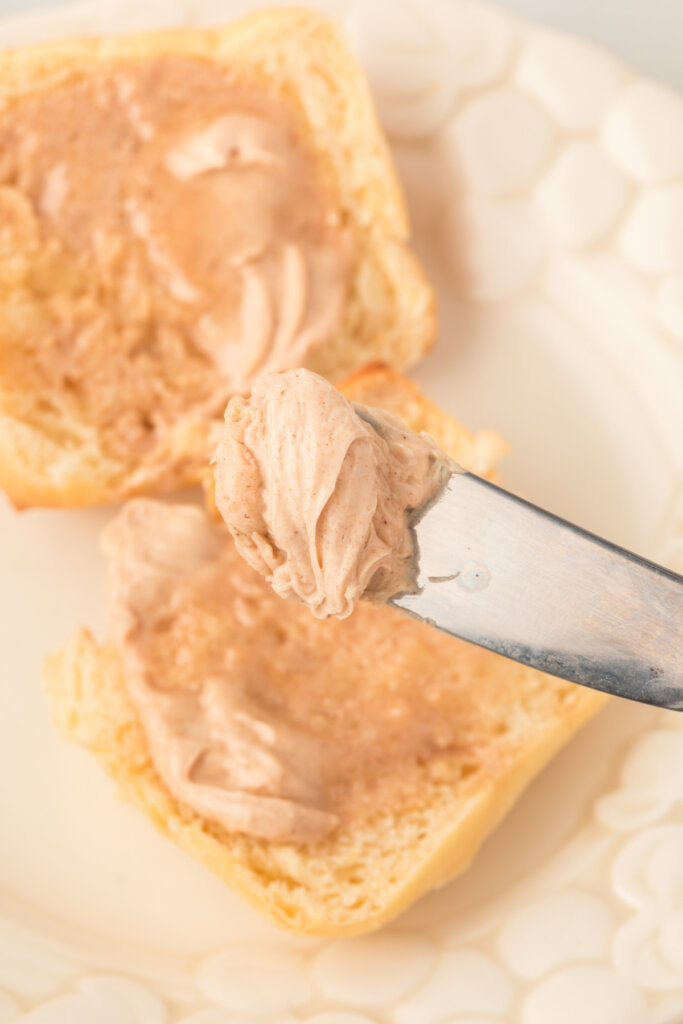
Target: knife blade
(500,572)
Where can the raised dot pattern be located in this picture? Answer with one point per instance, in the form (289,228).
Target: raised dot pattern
(375,971)
(255,979)
(542,145)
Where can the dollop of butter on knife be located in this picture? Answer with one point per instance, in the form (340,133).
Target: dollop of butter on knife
(321,495)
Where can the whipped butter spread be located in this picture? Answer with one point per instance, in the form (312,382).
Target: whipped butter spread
(165,236)
(320,494)
(267,721)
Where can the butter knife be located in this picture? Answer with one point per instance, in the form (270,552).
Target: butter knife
(501,573)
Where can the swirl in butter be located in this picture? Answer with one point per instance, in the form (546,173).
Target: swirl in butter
(166,234)
(320,494)
(218,741)
(266,721)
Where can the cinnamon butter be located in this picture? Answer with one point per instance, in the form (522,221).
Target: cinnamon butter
(266,720)
(165,236)
(320,494)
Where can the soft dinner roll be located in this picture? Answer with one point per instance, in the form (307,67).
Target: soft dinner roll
(421,743)
(179,211)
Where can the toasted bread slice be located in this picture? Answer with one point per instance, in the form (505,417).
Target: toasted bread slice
(94,434)
(509,719)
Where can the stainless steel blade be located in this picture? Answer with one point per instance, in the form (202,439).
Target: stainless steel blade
(502,573)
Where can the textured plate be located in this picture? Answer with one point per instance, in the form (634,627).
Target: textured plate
(546,187)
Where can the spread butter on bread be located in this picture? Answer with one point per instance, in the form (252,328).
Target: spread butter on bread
(330,771)
(180,211)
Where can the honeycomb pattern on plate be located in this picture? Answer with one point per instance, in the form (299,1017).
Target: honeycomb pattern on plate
(563,169)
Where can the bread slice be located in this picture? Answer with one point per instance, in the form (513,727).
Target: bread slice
(511,720)
(53,449)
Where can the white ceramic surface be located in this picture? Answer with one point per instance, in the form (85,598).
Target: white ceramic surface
(545,183)
(644,33)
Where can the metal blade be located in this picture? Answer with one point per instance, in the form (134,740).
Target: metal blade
(504,574)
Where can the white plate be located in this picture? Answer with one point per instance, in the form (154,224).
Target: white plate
(546,186)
